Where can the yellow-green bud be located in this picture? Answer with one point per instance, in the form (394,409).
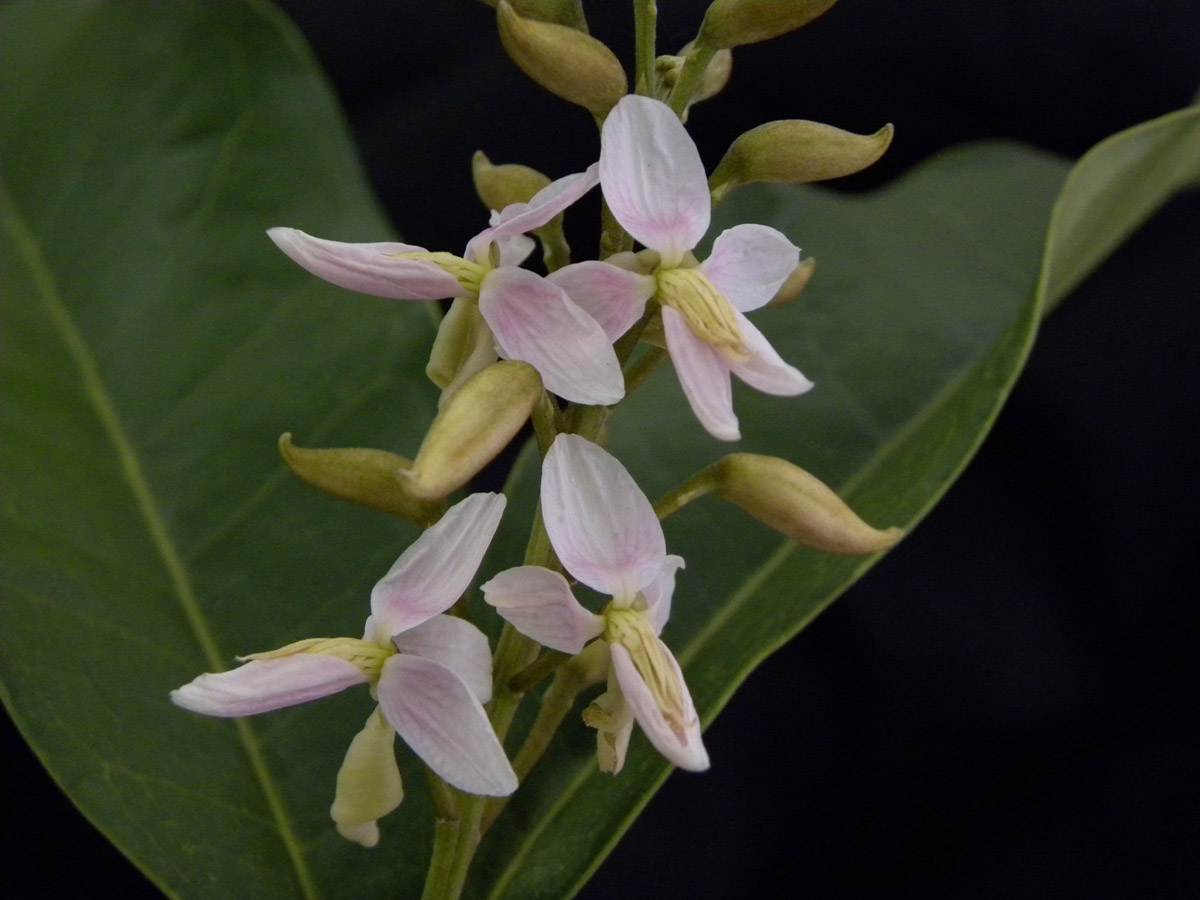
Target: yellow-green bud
(499,186)
(796,151)
(566,62)
(361,475)
(797,504)
(368,783)
(712,82)
(791,289)
(731,23)
(561,12)
(475,424)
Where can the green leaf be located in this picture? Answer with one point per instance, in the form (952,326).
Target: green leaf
(924,307)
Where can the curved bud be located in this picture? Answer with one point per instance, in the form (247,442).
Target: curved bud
(798,505)
(795,150)
(566,62)
(712,82)
(731,23)
(499,186)
(475,424)
(368,477)
(791,289)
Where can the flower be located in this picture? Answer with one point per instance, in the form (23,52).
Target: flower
(654,183)
(606,534)
(498,307)
(431,674)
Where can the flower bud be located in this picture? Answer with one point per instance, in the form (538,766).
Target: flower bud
(368,783)
(791,289)
(566,62)
(499,186)
(561,12)
(794,150)
(475,424)
(731,23)
(716,73)
(797,504)
(361,475)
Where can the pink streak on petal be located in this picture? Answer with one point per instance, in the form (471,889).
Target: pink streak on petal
(535,322)
(685,749)
(658,593)
(368,268)
(614,297)
(653,178)
(539,604)
(262,685)
(765,370)
(456,644)
(603,528)
(749,263)
(438,716)
(433,573)
(704,376)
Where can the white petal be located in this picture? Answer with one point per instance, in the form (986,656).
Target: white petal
(539,604)
(653,178)
(704,376)
(614,297)
(262,685)
(603,528)
(658,593)
(684,748)
(749,263)
(519,218)
(433,573)
(535,322)
(368,268)
(439,717)
(368,783)
(765,370)
(456,644)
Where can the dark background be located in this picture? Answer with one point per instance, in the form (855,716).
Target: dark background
(1005,706)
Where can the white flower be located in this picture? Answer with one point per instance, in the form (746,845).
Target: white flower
(431,674)
(606,534)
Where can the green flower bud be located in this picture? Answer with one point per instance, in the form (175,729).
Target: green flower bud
(560,12)
(712,82)
(361,475)
(474,425)
(499,186)
(794,150)
(797,504)
(731,23)
(791,289)
(566,62)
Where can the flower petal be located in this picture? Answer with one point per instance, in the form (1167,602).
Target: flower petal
(749,263)
(539,604)
(368,268)
(440,718)
(765,369)
(262,685)
(600,523)
(653,178)
(433,573)
(535,322)
(368,783)
(682,744)
(520,218)
(658,593)
(612,296)
(456,644)
(464,346)
(703,375)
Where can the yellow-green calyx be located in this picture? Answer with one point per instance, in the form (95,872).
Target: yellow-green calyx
(705,310)
(469,274)
(632,630)
(367,656)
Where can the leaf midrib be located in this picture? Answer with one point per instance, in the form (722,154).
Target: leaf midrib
(29,250)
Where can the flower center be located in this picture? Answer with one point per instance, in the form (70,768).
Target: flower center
(705,310)
(633,631)
(367,656)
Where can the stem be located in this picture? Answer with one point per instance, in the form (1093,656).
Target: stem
(533,674)
(645,21)
(545,427)
(454,843)
(695,487)
(694,67)
(645,366)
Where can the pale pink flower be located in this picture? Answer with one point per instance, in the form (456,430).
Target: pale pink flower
(431,674)
(606,534)
(499,308)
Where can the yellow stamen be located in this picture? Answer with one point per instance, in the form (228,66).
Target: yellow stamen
(368,657)
(469,274)
(633,631)
(707,313)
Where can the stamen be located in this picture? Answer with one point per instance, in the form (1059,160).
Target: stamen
(705,310)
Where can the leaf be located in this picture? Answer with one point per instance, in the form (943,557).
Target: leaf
(155,344)
(922,312)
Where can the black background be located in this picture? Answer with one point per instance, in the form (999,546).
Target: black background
(1005,706)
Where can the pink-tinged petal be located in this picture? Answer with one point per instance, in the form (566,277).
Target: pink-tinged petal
(456,644)
(653,178)
(679,742)
(433,573)
(535,322)
(439,717)
(765,370)
(520,218)
(749,263)
(614,297)
(658,593)
(512,250)
(368,268)
(262,685)
(603,528)
(540,605)
(704,376)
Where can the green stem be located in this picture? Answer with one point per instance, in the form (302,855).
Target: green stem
(645,21)
(538,670)
(691,75)
(645,366)
(695,487)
